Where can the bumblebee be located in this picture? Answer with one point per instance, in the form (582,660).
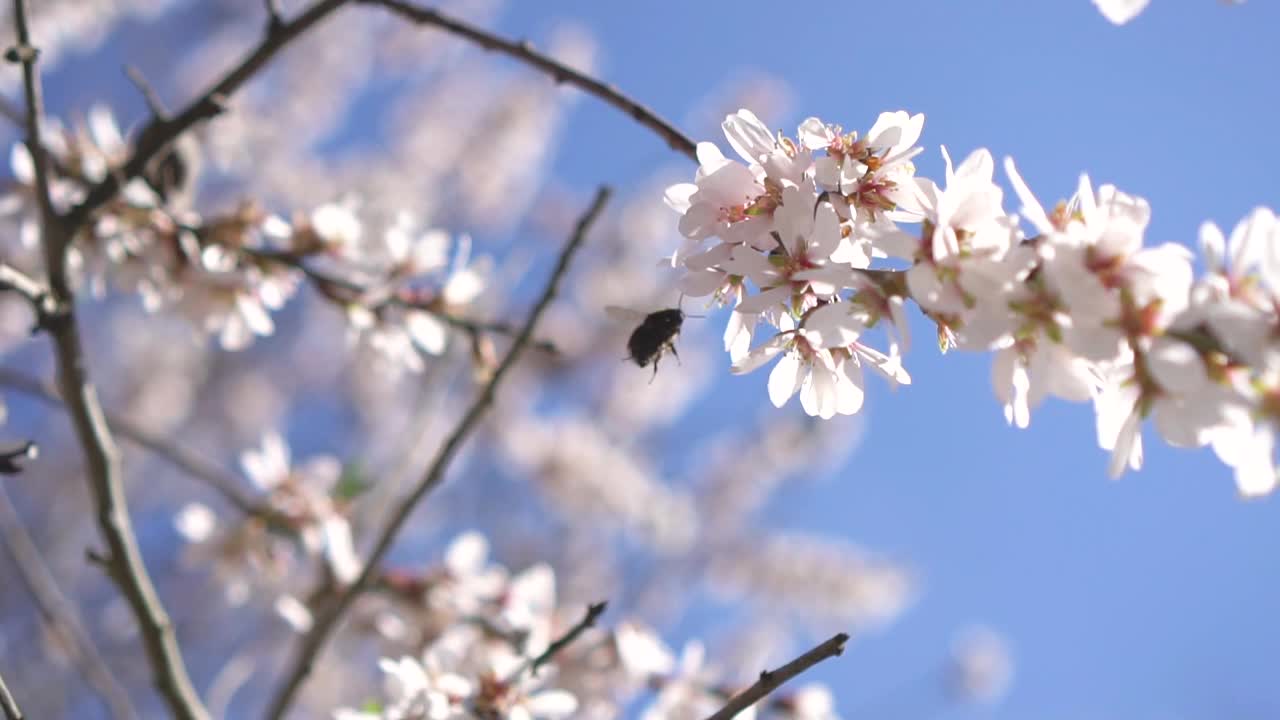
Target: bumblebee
(655,335)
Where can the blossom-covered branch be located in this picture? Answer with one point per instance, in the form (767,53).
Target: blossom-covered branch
(314,640)
(771,680)
(59,615)
(1080,309)
(346,291)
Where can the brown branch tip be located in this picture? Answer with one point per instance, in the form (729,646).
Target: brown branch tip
(594,611)
(771,680)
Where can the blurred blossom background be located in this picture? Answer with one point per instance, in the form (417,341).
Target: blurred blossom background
(982,572)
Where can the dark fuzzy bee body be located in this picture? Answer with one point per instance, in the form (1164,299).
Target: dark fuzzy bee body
(656,334)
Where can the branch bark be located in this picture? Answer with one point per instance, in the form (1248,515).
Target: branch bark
(561,73)
(327,620)
(125,563)
(771,680)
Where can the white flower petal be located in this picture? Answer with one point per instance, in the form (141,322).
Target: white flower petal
(785,379)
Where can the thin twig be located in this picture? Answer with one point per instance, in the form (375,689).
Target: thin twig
(149,94)
(224,483)
(160,132)
(313,642)
(771,680)
(594,611)
(59,615)
(561,73)
(101,458)
(8,704)
(275,18)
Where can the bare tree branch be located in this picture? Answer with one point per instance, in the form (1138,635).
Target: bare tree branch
(224,483)
(59,615)
(561,73)
(159,132)
(327,620)
(771,680)
(8,704)
(101,458)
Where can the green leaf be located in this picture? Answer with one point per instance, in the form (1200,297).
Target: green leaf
(352,483)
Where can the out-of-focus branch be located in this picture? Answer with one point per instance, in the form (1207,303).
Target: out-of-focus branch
(594,611)
(327,620)
(8,704)
(561,73)
(159,132)
(224,483)
(275,18)
(124,562)
(11,461)
(771,680)
(327,284)
(149,94)
(59,615)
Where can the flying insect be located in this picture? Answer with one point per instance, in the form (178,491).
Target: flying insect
(655,335)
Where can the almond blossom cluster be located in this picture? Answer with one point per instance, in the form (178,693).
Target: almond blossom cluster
(477,638)
(399,285)
(1079,308)
(303,508)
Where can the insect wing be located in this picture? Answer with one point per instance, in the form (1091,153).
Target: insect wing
(625,316)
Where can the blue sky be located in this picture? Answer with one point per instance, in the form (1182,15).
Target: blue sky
(1150,597)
